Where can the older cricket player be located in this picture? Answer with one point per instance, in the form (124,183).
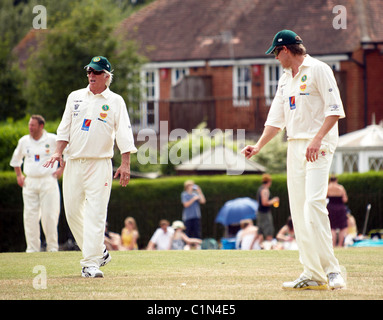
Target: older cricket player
(93,119)
(308,105)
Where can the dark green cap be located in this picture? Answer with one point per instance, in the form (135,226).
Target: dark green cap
(283,38)
(99,63)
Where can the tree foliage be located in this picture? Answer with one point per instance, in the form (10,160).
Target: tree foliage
(57,67)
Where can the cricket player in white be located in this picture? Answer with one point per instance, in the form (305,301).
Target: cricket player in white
(93,118)
(41,194)
(308,105)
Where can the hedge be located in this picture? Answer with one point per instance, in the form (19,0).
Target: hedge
(148,201)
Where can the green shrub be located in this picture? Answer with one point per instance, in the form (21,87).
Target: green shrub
(148,201)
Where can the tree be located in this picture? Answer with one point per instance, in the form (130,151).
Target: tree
(57,67)
(12,103)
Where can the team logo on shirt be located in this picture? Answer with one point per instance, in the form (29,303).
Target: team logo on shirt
(304,78)
(105,107)
(292,103)
(102,117)
(86,124)
(37,157)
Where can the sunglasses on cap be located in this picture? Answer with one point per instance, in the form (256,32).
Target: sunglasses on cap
(97,73)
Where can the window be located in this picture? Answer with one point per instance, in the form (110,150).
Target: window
(375,163)
(178,74)
(350,162)
(149,103)
(272,74)
(241,85)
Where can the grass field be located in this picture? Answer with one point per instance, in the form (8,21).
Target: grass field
(184,275)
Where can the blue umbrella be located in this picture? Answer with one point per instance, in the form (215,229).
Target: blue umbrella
(235,210)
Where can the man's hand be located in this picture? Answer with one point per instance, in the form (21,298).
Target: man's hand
(55,157)
(312,151)
(250,151)
(124,170)
(20,180)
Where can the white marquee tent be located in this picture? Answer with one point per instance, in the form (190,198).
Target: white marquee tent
(360,151)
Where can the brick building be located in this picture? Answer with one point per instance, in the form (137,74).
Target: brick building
(207,58)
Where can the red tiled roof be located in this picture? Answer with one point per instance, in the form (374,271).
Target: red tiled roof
(176,30)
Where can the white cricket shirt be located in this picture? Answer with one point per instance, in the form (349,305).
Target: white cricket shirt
(302,103)
(34,153)
(91,123)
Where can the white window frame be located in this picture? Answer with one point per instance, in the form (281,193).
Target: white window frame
(273,72)
(242,85)
(149,97)
(178,74)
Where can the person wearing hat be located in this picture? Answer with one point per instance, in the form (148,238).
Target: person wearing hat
(308,104)
(180,240)
(93,118)
(264,216)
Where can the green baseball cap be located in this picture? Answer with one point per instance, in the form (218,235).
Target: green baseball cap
(283,38)
(99,63)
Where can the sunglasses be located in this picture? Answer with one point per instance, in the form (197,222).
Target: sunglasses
(97,73)
(277,50)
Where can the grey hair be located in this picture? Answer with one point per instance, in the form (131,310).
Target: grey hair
(110,79)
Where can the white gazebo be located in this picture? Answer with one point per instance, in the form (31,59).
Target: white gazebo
(360,151)
(219,160)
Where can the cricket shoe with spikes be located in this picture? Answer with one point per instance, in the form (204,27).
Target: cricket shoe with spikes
(92,272)
(336,281)
(304,284)
(105,258)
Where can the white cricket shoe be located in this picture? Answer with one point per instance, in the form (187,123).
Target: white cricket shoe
(304,284)
(92,272)
(335,281)
(106,258)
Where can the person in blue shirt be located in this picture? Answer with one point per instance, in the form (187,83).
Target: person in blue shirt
(191,199)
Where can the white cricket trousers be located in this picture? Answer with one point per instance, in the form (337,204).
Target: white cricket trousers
(86,192)
(41,198)
(307,184)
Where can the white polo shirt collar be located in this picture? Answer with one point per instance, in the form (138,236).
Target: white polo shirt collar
(105,93)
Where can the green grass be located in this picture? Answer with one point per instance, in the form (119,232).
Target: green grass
(185,275)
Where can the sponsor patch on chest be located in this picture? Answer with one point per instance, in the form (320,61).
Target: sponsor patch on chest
(86,124)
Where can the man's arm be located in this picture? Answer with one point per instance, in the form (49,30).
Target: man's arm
(20,177)
(312,151)
(268,133)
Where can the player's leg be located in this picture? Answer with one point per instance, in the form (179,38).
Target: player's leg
(297,184)
(31,215)
(74,199)
(98,182)
(50,211)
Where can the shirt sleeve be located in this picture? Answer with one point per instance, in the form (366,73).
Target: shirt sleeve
(63,130)
(276,116)
(17,157)
(328,89)
(124,133)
